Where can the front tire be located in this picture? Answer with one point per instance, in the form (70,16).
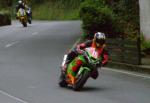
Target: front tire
(62,82)
(82,78)
(24,23)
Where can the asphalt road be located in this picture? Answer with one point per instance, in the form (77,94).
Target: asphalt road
(29,68)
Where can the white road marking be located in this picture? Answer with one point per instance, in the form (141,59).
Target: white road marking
(35,33)
(11,44)
(13,97)
(129,73)
(32,87)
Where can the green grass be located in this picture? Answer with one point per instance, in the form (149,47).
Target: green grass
(145,44)
(5,11)
(56,11)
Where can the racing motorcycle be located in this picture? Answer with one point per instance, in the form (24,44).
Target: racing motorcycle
(22,16)
(76,80)
(29,15)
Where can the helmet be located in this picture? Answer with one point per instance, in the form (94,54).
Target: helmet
(20,2)
(99,38)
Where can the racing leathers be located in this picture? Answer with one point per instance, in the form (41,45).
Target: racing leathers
(20,6)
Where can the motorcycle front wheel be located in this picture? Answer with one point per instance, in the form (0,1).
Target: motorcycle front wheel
(81,80)
(62,82)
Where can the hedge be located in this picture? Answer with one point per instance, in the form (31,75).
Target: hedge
(5,18)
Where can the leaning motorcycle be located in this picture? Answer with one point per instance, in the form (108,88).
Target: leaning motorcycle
(22,16)
(89,60)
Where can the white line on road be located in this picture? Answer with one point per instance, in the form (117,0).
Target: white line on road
(129,73)
(13,97)
(11,44)
(35,33)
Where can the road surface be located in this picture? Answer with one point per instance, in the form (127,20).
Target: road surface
(29,68)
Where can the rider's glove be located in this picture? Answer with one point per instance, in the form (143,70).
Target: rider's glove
(79,51)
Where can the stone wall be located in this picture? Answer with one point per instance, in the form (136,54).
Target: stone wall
(5,19)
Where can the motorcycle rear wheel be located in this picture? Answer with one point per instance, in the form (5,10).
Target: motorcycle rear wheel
(29,20)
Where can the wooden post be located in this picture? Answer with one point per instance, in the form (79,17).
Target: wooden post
(139,50)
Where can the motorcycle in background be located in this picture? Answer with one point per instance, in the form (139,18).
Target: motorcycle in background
(29,15)
(22,16)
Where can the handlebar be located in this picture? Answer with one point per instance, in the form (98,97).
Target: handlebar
(85,54)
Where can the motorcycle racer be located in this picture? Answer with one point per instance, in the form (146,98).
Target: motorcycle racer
(98,43)
(20,5)
(23,4)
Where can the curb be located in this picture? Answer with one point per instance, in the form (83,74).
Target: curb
(129,67)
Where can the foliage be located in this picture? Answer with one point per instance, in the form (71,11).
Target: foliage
(5,3)
(145,45)
(5,17)
(113,17)
(97,17)
(127,12)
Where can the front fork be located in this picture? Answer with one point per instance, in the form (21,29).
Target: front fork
(64,60)
(82,69)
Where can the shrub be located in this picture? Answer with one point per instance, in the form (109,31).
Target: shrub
(127,12)
(113,17)
(5,18)
(96,16)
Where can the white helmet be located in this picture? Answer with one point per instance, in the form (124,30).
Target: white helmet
(99,37)
(20,1)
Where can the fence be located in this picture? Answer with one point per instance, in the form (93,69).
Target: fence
(124,51)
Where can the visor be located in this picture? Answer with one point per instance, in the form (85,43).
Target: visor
(100,41)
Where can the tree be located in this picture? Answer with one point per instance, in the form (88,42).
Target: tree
(6,3)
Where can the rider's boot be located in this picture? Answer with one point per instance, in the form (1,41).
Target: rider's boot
(62,80)
(94,74)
